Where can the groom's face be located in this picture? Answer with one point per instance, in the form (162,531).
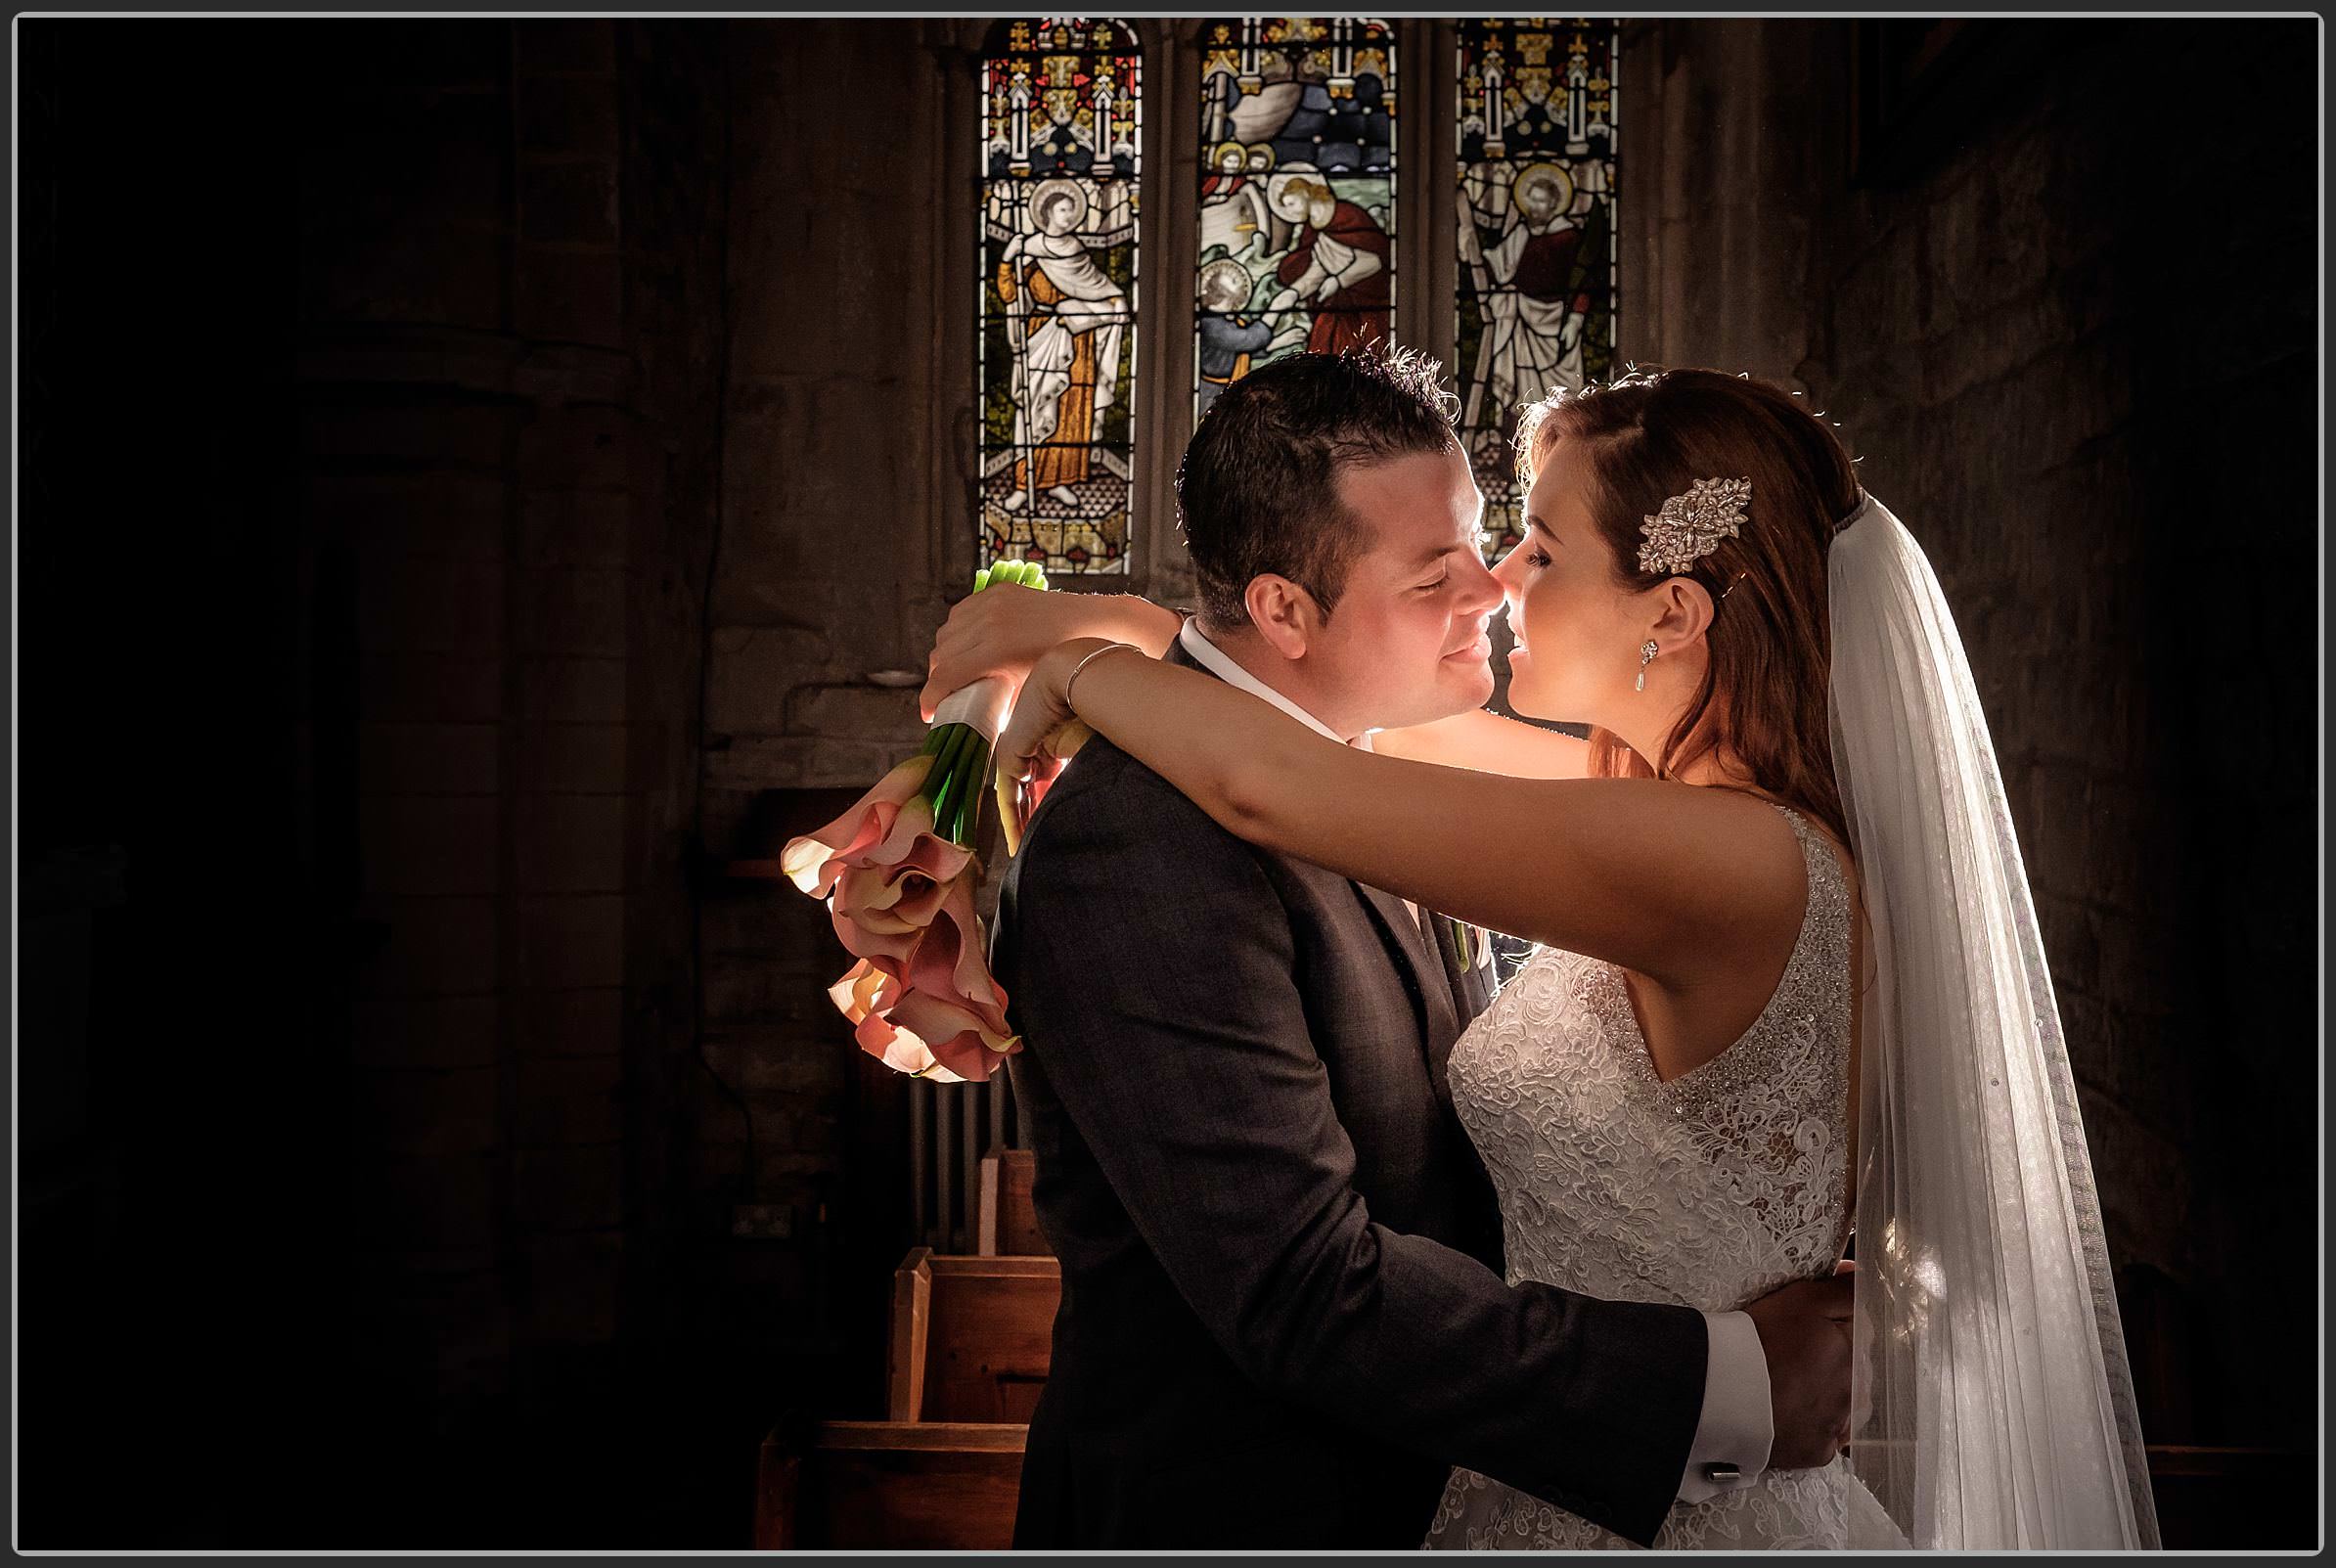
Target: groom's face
(1407,643)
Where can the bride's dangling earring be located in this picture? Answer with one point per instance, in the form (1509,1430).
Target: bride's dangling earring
(1646,653)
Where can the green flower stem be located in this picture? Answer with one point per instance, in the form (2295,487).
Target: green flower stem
(941,805)
(962,763)
(945,823)
(976,773)
(953,742)
(945,786)
(968,793)
(1020,573)
(977,789)
(958,778)
(938,783)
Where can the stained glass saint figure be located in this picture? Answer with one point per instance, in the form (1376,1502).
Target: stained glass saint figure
(1061,129)
(1297,192)
(1535,231)
(1071,322)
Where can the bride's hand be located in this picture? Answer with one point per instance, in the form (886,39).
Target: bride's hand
(1805,1331)
(1000,632)
(1045,731)
(1003,630)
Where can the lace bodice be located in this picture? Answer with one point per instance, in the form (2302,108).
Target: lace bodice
(1709,1190)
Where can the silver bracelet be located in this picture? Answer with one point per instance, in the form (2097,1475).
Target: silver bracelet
(1107,648)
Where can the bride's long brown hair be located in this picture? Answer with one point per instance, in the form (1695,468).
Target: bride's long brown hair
(1650,434)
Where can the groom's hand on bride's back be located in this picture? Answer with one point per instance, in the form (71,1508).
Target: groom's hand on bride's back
(1804,1333)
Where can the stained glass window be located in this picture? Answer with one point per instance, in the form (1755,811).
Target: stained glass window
(1297,192)
(1536,230)
(1062,126)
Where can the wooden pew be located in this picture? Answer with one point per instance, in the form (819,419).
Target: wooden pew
(971,1337)
(1008,1224)
(860,1485)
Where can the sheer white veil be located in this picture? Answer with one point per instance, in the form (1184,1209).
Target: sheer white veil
(1994,1406)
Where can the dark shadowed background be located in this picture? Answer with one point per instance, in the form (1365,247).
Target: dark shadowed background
(470,470)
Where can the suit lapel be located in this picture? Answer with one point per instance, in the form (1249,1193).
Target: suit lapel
(1471,983)
(1439,1022)
(1470,988)
(1417,955)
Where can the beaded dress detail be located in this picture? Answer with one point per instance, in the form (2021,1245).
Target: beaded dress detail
(1709,1190)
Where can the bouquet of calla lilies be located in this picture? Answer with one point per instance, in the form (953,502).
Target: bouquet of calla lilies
(898,872)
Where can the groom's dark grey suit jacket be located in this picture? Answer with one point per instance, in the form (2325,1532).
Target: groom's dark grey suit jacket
(1282,1318)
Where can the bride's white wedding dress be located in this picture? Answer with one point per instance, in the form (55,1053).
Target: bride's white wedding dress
(1994,1406)
(1709,1190)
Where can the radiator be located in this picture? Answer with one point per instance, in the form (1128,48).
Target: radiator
(951,1125)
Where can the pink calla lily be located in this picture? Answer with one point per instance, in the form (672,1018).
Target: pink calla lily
(957,1036)
(921,1000)
(869,987)
(933,1037)
(902,1051)
(888,899)
(812,860)
(912,842)
(900,894)
(862,941)
(949,962)
(929,856)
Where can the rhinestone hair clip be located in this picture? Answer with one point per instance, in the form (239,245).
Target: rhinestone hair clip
(1692,525)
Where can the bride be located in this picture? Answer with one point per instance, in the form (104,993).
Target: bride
(1789,982)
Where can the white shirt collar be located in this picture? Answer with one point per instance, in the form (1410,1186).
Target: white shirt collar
(1218,662)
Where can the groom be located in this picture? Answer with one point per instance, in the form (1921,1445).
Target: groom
(1284,1317)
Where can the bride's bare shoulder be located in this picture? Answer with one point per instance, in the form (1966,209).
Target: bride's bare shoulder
(1489,742)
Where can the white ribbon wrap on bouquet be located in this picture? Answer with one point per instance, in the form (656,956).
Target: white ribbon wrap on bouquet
(984,705)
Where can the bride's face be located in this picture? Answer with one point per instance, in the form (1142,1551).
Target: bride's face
(1577,624)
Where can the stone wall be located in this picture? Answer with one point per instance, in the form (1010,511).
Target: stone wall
(392,406)
(2071,344)
(543,460)
(549,310)
(840,511)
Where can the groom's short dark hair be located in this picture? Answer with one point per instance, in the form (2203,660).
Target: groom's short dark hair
(1257,491)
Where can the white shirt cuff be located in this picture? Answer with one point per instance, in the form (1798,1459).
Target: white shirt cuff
(1738,1428)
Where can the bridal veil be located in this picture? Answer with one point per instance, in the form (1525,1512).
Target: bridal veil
(1994,1406)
